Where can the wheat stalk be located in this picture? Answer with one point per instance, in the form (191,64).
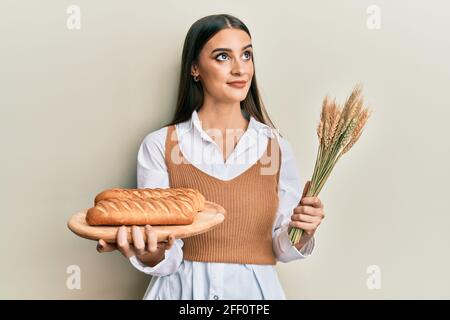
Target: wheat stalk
(338,130)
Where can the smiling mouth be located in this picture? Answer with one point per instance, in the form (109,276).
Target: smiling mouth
(237,84)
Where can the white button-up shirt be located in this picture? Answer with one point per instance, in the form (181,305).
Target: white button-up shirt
(178,278)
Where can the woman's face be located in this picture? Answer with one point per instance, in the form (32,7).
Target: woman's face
(226,57)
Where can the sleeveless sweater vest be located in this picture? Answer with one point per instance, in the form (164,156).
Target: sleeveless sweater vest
(250,200)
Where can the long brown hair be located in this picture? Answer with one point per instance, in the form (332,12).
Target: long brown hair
(190,93)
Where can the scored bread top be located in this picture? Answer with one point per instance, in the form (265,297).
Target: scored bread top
(164,210)
(151,193)
(154,206)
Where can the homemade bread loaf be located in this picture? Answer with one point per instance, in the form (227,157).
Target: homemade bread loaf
(171,206)
(151,193)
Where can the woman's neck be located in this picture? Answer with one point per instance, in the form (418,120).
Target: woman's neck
(222,118)
(225,124)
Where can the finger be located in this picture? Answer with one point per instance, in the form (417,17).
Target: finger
(171,242)
(138,240)
(152,239)
(148,231)
(309,210)
(103,246)
(306,187)
(312,201)
(303,218)
(122,242)
(306,226)
(306,209)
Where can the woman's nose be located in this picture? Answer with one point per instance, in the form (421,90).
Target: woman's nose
(237,68)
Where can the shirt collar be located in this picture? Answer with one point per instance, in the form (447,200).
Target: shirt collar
(254,129)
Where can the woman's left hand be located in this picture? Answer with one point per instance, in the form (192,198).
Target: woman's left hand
(307,216)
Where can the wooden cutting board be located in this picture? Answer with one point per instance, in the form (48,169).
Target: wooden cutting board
(204,221)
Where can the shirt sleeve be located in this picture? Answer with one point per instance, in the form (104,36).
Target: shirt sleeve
(289,194)
(170,263)
(152,173)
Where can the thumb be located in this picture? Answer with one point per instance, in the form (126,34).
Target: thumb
(306,188)
(103,246)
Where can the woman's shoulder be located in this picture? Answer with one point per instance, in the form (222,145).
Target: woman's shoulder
(155,140)
(274,133)
(287,152)
(158,137)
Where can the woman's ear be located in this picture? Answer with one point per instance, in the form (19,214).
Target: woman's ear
(194,70)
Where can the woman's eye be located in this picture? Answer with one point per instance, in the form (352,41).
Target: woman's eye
(222,54)
(249,55)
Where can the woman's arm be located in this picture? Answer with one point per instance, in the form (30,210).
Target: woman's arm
(152,173)
(289,194)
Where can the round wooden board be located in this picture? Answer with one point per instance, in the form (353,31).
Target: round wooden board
(204,221)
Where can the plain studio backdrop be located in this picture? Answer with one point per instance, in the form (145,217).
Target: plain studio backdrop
(77,102)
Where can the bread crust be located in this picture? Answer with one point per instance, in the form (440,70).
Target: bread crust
(152,193)
(158,206)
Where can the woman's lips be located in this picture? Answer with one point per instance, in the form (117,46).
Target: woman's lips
(237,84)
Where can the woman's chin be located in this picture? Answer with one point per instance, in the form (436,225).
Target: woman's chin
(236,97)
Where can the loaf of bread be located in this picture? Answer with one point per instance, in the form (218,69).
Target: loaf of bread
(152,193)
(171,206)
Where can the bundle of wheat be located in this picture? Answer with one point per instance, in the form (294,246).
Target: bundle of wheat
(338,131)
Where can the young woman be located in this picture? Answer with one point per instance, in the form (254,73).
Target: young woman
(220,142)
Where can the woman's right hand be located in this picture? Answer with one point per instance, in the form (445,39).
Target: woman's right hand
(150,254)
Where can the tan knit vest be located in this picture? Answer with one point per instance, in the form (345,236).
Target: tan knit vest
(250,201)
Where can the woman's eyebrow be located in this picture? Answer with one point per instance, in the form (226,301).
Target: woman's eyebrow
(228,49)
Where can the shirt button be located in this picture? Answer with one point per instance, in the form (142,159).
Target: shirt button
(216,297)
